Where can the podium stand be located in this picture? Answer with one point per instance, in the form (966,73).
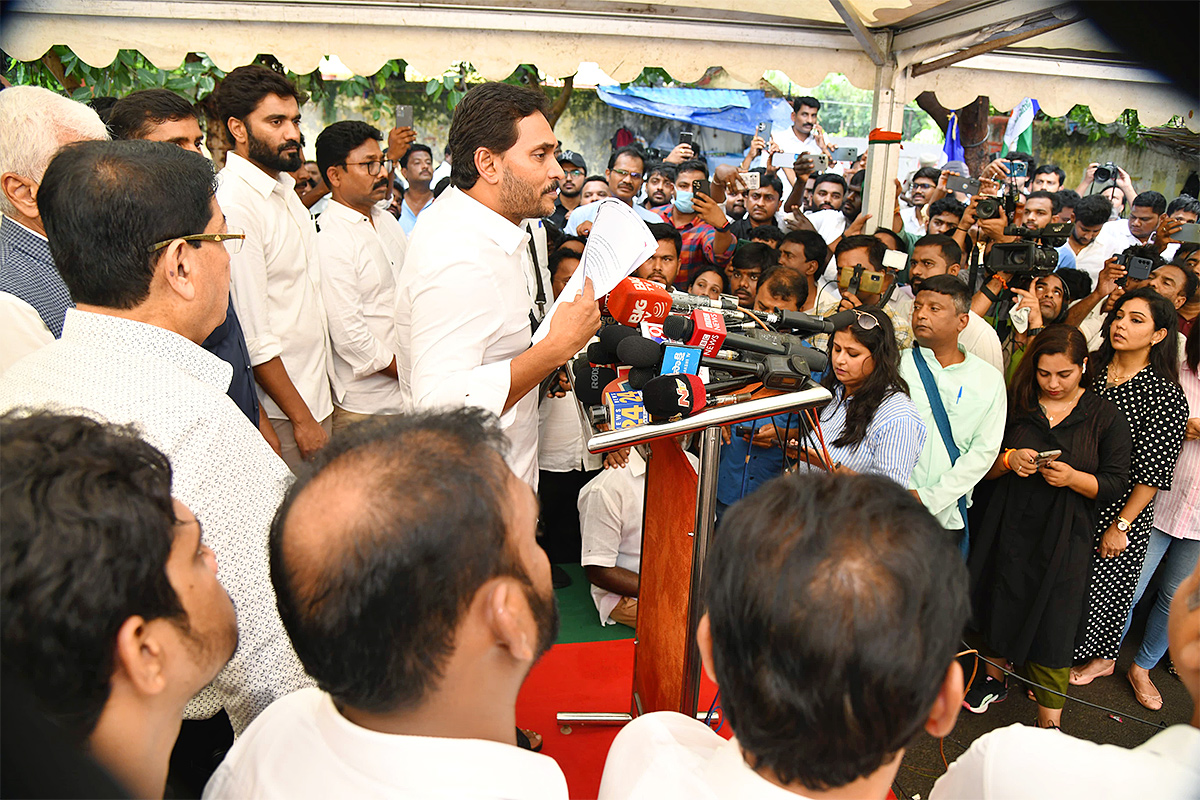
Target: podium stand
(680,513)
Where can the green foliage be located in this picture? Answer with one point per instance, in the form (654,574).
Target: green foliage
(1080,120)
(195,79)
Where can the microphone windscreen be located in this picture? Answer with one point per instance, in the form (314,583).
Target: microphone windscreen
(634,301)
(640,376)
(612,335)
(677,328)
(638,351)
(590,382)
(669,396)
(599,354)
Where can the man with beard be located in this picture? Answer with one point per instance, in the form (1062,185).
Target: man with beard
(762,205)
(417,168)
(275,278)
(412,585)
(749,262)
(574,171)
(663,265)
(1091,214)
(362,250)
(1040,209)
(852,204)
(464,301)
(660,184)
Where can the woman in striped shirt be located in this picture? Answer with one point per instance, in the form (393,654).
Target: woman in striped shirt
(871,425)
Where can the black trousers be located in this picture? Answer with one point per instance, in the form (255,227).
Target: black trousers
(559,495)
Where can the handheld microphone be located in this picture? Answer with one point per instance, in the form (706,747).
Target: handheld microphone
(804,324)
(638,351)
(598,354)
(633,301)
(687,302)
(703,328)
(681,396)
(640,376)
(611,336)
(590,381)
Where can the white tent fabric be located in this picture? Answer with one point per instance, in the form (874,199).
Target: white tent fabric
(805,39)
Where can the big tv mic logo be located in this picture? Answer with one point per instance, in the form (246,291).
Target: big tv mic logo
(633,301)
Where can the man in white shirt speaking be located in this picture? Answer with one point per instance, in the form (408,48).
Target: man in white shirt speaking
(465,297)
(275,279)
(362,249)
(835,606)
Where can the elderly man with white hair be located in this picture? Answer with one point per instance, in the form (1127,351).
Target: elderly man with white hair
(34,124)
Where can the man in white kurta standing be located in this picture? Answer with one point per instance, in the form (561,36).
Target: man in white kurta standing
(465,297)
(275,278)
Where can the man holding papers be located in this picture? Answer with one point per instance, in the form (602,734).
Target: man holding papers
(465,296)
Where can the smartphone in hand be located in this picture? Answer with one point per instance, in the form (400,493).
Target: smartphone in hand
(404,116)
(1045,457)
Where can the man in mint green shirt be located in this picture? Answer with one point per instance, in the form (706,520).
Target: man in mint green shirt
(972,392)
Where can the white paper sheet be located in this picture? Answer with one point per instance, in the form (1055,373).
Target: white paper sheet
(618,244)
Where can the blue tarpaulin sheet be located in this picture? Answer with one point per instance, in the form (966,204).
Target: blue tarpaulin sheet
(735,110)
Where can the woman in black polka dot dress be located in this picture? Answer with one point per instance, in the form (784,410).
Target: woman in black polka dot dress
(1137,368)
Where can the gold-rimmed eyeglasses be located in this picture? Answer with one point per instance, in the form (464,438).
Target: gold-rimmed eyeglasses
(232,239)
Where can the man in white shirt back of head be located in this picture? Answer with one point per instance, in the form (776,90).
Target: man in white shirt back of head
(465,297)
(835,608)
(275,278)
(362,250)
(1054,765)
(411,583)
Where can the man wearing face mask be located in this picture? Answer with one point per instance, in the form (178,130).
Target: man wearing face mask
(700,221)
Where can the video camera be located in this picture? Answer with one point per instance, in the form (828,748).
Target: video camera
(1034,254)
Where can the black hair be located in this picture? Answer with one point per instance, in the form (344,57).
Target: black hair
(883,382)
(815,247)
(1050,169)
(629,150)
(137,114)
(836,605)
(692,165)
(950,249)
(875,249)
(442,185)
(487,117)
(806,100)
(829,177)
(930,173)
(1076,281)
(1093,210)
(373,610)
(105,204)
(665,168)
(1186,203)
(243,89)
(769,181)
(1055,203)
(560,255)
(785,283)
(1055,339)
(1017,155)
(88,526)
(1146,251)
(953,287)
(592,178)
(898,241)
(416,148)
(856,180)
(1191,349)
(335,143)
(661,231)
(768,233)
(947,205)
(1152,200)
(1164,356)
(1067,198)
(754,255)
(103,106)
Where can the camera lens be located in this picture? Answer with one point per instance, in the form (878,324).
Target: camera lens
(987,208)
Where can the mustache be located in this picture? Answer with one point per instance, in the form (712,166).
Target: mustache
(289,145)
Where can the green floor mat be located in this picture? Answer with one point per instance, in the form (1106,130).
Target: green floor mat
(580,621)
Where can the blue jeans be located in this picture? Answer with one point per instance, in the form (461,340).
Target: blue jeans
(1180,556)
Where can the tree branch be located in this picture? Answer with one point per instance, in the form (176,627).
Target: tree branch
(560,102)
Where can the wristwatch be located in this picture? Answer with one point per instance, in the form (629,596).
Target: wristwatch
(1123,525)
(1034,331)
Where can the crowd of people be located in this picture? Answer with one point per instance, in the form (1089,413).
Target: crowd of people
(279,441)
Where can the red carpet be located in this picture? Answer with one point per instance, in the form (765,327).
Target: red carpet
(588,676)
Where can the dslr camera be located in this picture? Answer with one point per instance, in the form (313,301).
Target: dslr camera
(1032,254)
(989,207)
(1106,173)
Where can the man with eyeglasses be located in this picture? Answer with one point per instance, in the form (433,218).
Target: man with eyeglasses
(362,249)
(142,244)
(574,169)
(626,172)
(275,279)
(924,181)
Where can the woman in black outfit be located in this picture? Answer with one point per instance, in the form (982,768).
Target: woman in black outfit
(1029,560)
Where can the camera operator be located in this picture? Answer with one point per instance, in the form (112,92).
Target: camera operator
(1110,174)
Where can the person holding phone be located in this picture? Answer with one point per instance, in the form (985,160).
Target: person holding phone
(1137,367)
(1029,559)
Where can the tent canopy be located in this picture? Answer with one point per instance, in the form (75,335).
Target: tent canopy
(1016,48)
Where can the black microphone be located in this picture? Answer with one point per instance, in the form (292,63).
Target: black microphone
(798,321)
(599,354)
(611,336)
(686,302)
(640,376)
(638,351)
(590,381)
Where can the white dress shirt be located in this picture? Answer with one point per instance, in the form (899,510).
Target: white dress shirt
(21,329)
(462,312)
(173,390)
(611,507)
(303,747)
(1113,238)
(562,440)
(665,755)
(274,281)
(360,263)
(1024,761)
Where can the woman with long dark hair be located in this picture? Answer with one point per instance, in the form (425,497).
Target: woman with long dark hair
(1029,560)
(871,425)
(1137,368)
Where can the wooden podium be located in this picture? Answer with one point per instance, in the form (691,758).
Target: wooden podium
(680,513)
